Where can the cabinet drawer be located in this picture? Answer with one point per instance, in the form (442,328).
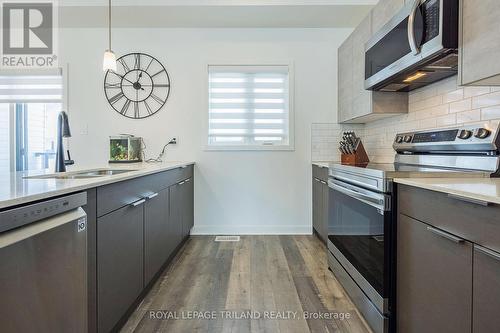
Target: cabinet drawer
(113,196)
(474,222)
(320,172)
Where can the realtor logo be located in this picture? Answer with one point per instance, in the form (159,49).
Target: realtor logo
(28,31)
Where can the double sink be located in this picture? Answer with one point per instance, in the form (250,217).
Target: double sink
(82,174)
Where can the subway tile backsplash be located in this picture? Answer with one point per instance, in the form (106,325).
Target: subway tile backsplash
(442,104)
(325,139)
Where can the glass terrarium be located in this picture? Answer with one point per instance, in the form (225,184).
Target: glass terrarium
(125,149)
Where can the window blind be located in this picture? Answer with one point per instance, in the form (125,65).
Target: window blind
(31,88)
(248,105)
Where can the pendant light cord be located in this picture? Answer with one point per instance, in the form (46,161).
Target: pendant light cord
(109,24)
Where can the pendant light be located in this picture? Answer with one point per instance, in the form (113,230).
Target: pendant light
(109,61)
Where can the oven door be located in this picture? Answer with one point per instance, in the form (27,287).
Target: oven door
(403,44)
(360,238)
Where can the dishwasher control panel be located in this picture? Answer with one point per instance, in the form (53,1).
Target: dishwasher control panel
(30,213)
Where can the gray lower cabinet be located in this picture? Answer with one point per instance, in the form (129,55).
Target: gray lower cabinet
(182,208)
(320,208)
(434,279)
(119,263)
(486,287)
(158,230)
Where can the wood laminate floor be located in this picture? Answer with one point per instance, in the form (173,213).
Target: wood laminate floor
(277,280)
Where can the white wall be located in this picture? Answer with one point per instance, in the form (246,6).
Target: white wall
(236,192)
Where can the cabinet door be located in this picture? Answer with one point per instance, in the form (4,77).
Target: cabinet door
(384,11)
(188,206)
(119,263)
(486,299)
(345,80)
(176,209)
(325,192)
(317,205)
(157,229)
(434,280)
(361,97)
(480,49)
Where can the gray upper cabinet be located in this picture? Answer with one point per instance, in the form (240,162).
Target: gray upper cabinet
(480,44)
(384,11)
(355,104)
(434,279)
(345,80)
(486,297)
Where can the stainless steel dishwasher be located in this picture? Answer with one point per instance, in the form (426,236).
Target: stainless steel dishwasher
(43,266)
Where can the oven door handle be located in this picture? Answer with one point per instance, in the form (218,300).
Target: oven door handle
(411,28)
(374,201)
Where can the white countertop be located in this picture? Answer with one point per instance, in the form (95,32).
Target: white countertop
(15,189)
(324,164)
(484,189)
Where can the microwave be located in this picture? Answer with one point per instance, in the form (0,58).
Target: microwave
(417,47)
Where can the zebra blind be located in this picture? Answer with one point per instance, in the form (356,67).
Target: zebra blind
(31,88)
(249,106)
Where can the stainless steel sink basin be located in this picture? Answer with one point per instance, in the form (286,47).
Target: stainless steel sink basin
(82,174)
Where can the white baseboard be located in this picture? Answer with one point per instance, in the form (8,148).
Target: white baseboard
(252,230)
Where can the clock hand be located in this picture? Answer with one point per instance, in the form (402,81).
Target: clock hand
(122,77)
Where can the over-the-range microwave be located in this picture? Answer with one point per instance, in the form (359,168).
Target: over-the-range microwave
(416,47)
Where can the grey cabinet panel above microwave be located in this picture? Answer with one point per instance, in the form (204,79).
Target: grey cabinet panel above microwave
(355,104)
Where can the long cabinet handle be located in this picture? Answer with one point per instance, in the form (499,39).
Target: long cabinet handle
(469,200)
(151,196)
(181,183)
(316,179)
(138,203)
(488,252)
(446,235)
(188,180)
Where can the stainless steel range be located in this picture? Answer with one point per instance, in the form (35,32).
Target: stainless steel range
(362,209)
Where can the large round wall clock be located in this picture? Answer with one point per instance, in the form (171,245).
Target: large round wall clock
(139,87)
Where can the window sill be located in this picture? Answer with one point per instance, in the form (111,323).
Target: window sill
(249,148)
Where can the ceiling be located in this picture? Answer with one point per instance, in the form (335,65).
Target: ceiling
(215,13)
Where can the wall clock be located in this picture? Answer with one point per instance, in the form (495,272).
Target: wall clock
(139,87)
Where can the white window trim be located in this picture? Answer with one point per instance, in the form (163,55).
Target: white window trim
(291,112)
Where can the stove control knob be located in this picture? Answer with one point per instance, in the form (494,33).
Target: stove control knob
(407,138)
(481,133)
(464,134)
(399,139)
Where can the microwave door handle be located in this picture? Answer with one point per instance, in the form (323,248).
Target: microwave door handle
(369,200)
(411,28)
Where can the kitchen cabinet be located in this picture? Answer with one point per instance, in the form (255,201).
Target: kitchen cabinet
(448,263)
(479,45)
(355,103)
(158,230)
(138,226)
(320,194)
(181,203)
(384,11)
(486,287)
(119,263)
(434,279)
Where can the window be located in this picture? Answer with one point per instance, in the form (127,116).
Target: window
(249,108)
(29,105)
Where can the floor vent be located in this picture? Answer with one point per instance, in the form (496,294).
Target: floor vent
(227,238)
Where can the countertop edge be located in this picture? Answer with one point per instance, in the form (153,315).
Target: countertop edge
(96,183)
(442,189)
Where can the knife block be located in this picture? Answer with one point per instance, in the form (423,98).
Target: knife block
(359,158)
